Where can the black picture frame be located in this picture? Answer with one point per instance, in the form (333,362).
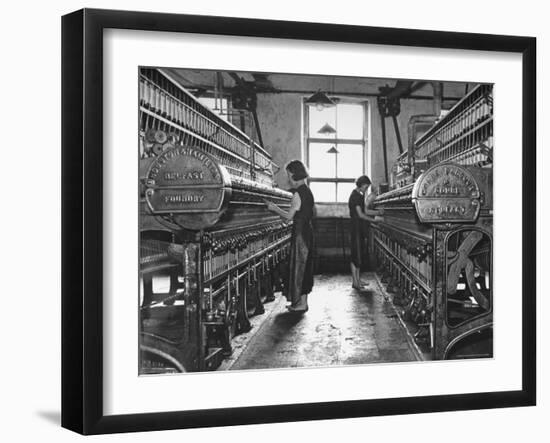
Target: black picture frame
(82,218)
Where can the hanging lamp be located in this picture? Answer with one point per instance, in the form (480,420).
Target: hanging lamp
(320,100)
(327,129)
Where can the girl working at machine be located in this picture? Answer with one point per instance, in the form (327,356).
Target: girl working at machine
(359,211)
(300,279)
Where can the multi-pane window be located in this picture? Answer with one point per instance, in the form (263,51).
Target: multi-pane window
(336,148)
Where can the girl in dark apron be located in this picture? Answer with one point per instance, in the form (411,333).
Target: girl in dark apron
(300,278)
(359,211)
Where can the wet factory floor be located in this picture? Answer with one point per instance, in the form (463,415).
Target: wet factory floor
(343,326)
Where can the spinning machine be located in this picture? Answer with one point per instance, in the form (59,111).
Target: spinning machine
(433,244)
(211,254)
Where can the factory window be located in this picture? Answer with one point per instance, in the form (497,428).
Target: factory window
(336,148)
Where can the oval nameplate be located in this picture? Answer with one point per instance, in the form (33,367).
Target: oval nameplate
(446,193)
(185,180)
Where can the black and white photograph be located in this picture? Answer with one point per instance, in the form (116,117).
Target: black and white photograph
(275,221)
(302,220)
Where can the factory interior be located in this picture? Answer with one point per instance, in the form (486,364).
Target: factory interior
(392,220)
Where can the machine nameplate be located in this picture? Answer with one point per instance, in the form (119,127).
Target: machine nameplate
(185,180)
(446,193)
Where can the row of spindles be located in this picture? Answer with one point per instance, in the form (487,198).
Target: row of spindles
(474,149)
(219,258)
(467,126)
(417,264)
(161,96)
(409,294)
(196,130)
(171,108)
(158,80)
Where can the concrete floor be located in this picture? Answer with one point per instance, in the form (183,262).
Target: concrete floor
(342,327)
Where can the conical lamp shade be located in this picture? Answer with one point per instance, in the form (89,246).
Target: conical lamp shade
(327,129)
(332,150)
(320,99)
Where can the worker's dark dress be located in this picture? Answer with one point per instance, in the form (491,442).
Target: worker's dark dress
(357,230)
(300,277)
